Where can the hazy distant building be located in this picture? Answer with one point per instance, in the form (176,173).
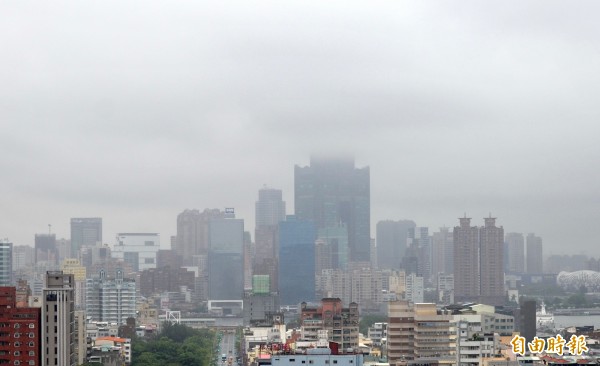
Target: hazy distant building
(270,211)
(45,249)
(466,261)
(63,246)
(296,261)
(193,233)
(391,242)
(419,246)
(535,254)
(6,264)
(515,253)
(226,259)
(442,259)
(491,258)
(58,310)
(85,232)
(334,248)
(333,191)
(139,250)
(23,256)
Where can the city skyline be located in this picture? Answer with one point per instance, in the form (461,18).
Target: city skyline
(472,108)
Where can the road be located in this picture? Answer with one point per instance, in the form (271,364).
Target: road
(227,348)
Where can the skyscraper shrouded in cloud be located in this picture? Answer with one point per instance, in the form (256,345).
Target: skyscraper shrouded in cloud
(535,254)
(515,253)
(85,232)
(391,242)
(269,212)
(193,236)
(296,260)
(330,192)
(226,259)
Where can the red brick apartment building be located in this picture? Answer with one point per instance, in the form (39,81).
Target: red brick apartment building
(20,331)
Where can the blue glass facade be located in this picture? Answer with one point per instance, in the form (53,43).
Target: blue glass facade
(296,261)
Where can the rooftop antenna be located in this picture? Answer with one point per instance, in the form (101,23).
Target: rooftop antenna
(49,228)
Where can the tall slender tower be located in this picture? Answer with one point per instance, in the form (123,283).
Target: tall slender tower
(515,247)
(466,261)
(270,211)
(535,254)
(58,310)
(330,192)
(491,259)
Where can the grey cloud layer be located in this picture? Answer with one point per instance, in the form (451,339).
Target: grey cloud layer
(135,111)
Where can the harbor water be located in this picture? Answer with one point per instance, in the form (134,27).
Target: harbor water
(564,321)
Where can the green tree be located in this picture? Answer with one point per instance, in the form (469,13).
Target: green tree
(368,320)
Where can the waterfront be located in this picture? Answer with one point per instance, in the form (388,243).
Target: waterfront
(563,321)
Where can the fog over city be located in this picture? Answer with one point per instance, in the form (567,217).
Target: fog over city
(135,111)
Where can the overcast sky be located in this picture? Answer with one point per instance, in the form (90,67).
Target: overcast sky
(134,111)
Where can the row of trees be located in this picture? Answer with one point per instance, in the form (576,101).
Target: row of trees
(175,345)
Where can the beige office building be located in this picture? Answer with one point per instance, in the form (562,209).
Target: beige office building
(419,332)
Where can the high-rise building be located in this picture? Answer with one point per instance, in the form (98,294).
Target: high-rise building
(442,252)
(491,263)
(137,249)
(535,254)
(20,334)
(110,298)
(515,253)
(85,231)
(6,263)
(226,259)
(527,318)
(479,262)
(419,247)
(58,310)
(419,332)
(332,191)
(466,261)
(269,210)
(193,236)
(296,261)
(45,249)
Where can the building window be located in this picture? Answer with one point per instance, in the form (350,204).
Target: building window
(31,325)
(17,344)
(31,344)
(17,325)
(17,335)
(31,362)
(31,353)
(31,335)
(17,353)
(17,362)
(149,243)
